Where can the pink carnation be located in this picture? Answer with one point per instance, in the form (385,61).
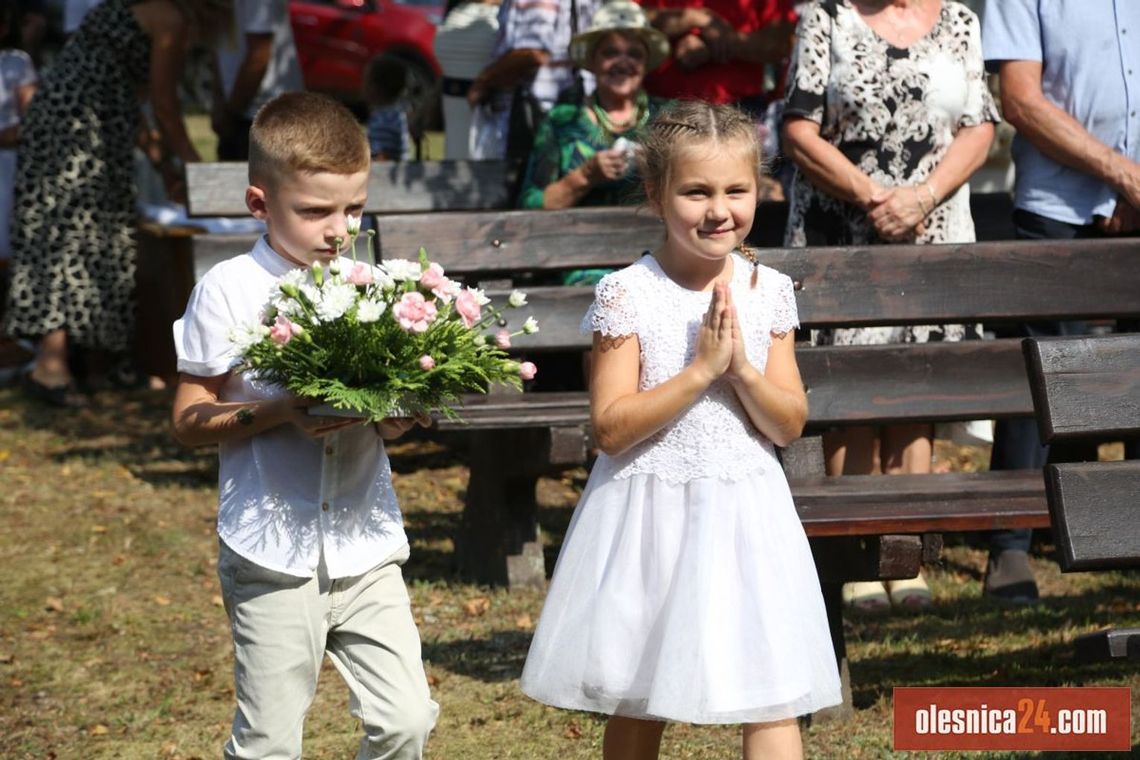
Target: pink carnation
(527,370)
(284,330)
(361,274)
(503,339)
(445,290)
(468,307)
(432,277)
(426,362)
(414,312)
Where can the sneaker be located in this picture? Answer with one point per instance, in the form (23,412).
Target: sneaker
(1009,578)
(910,594)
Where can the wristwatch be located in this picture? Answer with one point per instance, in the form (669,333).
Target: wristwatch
(244,416)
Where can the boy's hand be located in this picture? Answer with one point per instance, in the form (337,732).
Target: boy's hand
(315,425)
(714,338)
(391,428)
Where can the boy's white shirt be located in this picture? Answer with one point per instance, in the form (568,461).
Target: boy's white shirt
(284,496)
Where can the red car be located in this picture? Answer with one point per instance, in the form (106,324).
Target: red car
(336,38)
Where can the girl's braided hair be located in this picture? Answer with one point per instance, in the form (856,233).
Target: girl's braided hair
(694,122)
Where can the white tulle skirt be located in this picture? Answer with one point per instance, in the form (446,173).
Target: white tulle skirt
(695,602)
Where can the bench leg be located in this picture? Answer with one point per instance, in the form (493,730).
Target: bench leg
(499,541)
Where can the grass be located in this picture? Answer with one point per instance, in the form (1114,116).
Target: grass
(113,642)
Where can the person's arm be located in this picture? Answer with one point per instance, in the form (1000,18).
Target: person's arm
(200,418)
(825,165)
(1058,135)
(10,137)
(676,22)
(770,44)
(568,191)
(258,52)
(507,71)
(774,400)
(166,28)
(622,415)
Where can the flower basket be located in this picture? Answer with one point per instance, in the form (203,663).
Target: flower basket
(380,340)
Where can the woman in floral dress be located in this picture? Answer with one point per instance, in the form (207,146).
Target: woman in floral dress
(888,114)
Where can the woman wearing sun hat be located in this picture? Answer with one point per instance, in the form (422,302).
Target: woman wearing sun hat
(582,151)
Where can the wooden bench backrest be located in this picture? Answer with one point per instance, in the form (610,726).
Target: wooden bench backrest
(1085,386)
(218,189)
(1089,388)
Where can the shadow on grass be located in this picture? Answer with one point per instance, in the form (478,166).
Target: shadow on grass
(492,660)
(976,642)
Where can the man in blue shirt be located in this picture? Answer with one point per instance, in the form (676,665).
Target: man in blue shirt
(1070,84)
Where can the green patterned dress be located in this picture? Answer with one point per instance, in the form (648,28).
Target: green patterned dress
(568,138)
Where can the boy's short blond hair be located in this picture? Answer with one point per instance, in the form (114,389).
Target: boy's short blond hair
(301,132)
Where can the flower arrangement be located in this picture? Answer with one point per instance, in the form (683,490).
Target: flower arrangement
(381,340)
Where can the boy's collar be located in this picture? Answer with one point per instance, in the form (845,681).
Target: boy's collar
(271,260)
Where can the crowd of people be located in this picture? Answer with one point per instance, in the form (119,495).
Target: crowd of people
(882,109)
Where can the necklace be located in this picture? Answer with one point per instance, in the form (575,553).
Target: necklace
(613,128)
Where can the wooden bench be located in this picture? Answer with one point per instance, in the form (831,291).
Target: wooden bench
(1089,388)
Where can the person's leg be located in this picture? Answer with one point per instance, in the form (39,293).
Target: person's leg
(908,449)
(632,739)
(375,646)
(855,451)
(277,622)
(773,741)
(1017,444)
(51,366)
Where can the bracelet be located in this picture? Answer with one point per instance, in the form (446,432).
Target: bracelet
(933,197)
(922,207)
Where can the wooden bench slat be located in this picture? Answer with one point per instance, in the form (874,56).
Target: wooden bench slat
(1094,508)
(931,382)
(1085,386)
(218,189)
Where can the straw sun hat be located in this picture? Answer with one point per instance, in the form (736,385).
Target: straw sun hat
(619,16)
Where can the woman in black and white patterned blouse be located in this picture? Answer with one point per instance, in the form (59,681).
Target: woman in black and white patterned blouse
(887,116)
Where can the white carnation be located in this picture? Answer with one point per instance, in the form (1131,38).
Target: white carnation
(296,277)
(245,337)
(352,224)
(530,326)
(517,298)
(369,311)
(288,307)
(480,296)
(337,299)
(403,269)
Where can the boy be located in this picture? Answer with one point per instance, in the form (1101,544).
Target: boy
(311,537)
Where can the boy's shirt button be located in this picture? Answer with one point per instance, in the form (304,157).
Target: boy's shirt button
(325,506)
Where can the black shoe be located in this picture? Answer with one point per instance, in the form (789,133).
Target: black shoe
(62,396)
(1009,578)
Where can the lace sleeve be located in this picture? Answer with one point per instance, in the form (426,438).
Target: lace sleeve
(613,311)
(785,316)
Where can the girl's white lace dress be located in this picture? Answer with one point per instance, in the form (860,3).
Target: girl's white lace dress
(685,589)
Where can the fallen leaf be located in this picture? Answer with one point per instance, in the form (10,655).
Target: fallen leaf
(54,603)
(6,658)
(98,730)
(524,622)
(573,731)
(433,680)
(98,528)
(162,601)
(4,454)
(169,748)
(477,606)
(119,559)
(217,600)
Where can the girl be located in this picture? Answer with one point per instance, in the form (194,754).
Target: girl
(685,589)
